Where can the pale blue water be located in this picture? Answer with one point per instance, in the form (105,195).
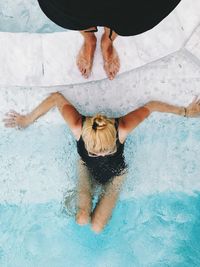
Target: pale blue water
(159,230)
(156,222)
(25,16)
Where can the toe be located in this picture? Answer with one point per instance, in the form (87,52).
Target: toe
(85,74)
(112,76)
(88,72)
(79,66)
(10,125)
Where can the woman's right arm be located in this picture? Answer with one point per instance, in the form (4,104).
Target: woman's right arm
(67,110)
(14,119)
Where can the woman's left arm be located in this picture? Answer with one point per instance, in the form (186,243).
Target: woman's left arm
(192,110)
(130,121)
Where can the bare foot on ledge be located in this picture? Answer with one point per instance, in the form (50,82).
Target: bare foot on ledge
(85,58)
(110,57)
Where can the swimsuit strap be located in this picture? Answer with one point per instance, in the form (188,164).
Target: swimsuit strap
(116,126)
(116,123)
(83,119)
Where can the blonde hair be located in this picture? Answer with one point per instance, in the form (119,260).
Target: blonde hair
(99,134)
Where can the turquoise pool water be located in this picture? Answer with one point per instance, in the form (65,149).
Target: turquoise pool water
(159,230)
(25,16)
(156,221)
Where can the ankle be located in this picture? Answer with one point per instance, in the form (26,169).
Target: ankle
(106,42)
(90,41)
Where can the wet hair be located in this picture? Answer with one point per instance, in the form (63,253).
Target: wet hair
(99,134)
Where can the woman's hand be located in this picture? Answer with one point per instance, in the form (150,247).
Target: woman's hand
(193,110)
(14,119)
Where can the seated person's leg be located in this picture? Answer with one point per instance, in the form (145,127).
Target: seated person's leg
(110,55)
(84,195)
(86,54)
(106,204)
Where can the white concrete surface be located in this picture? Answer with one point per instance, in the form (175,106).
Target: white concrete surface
(31,59)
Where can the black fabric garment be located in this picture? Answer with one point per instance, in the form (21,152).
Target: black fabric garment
(104,168)
(126,18)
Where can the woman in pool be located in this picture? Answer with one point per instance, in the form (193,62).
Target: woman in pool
(119,18)
(100,144)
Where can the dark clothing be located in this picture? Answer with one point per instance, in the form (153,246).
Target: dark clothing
(130,17)
(104,168)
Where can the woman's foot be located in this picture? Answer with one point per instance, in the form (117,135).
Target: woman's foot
(85,56)
(82,217)
(110,57)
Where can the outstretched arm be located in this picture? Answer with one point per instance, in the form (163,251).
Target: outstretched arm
(192,110)
(67,110)
(130,121)
(158,106)
(134,118)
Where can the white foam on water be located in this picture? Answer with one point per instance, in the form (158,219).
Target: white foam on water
(38,164)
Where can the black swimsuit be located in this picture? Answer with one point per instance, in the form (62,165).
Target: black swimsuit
(126,18)
(104,168)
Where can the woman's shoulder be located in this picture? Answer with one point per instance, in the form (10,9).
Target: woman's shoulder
(122,133)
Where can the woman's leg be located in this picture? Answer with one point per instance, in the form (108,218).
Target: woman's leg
(86,54)
(84,195)
(106,204)
(110,55)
